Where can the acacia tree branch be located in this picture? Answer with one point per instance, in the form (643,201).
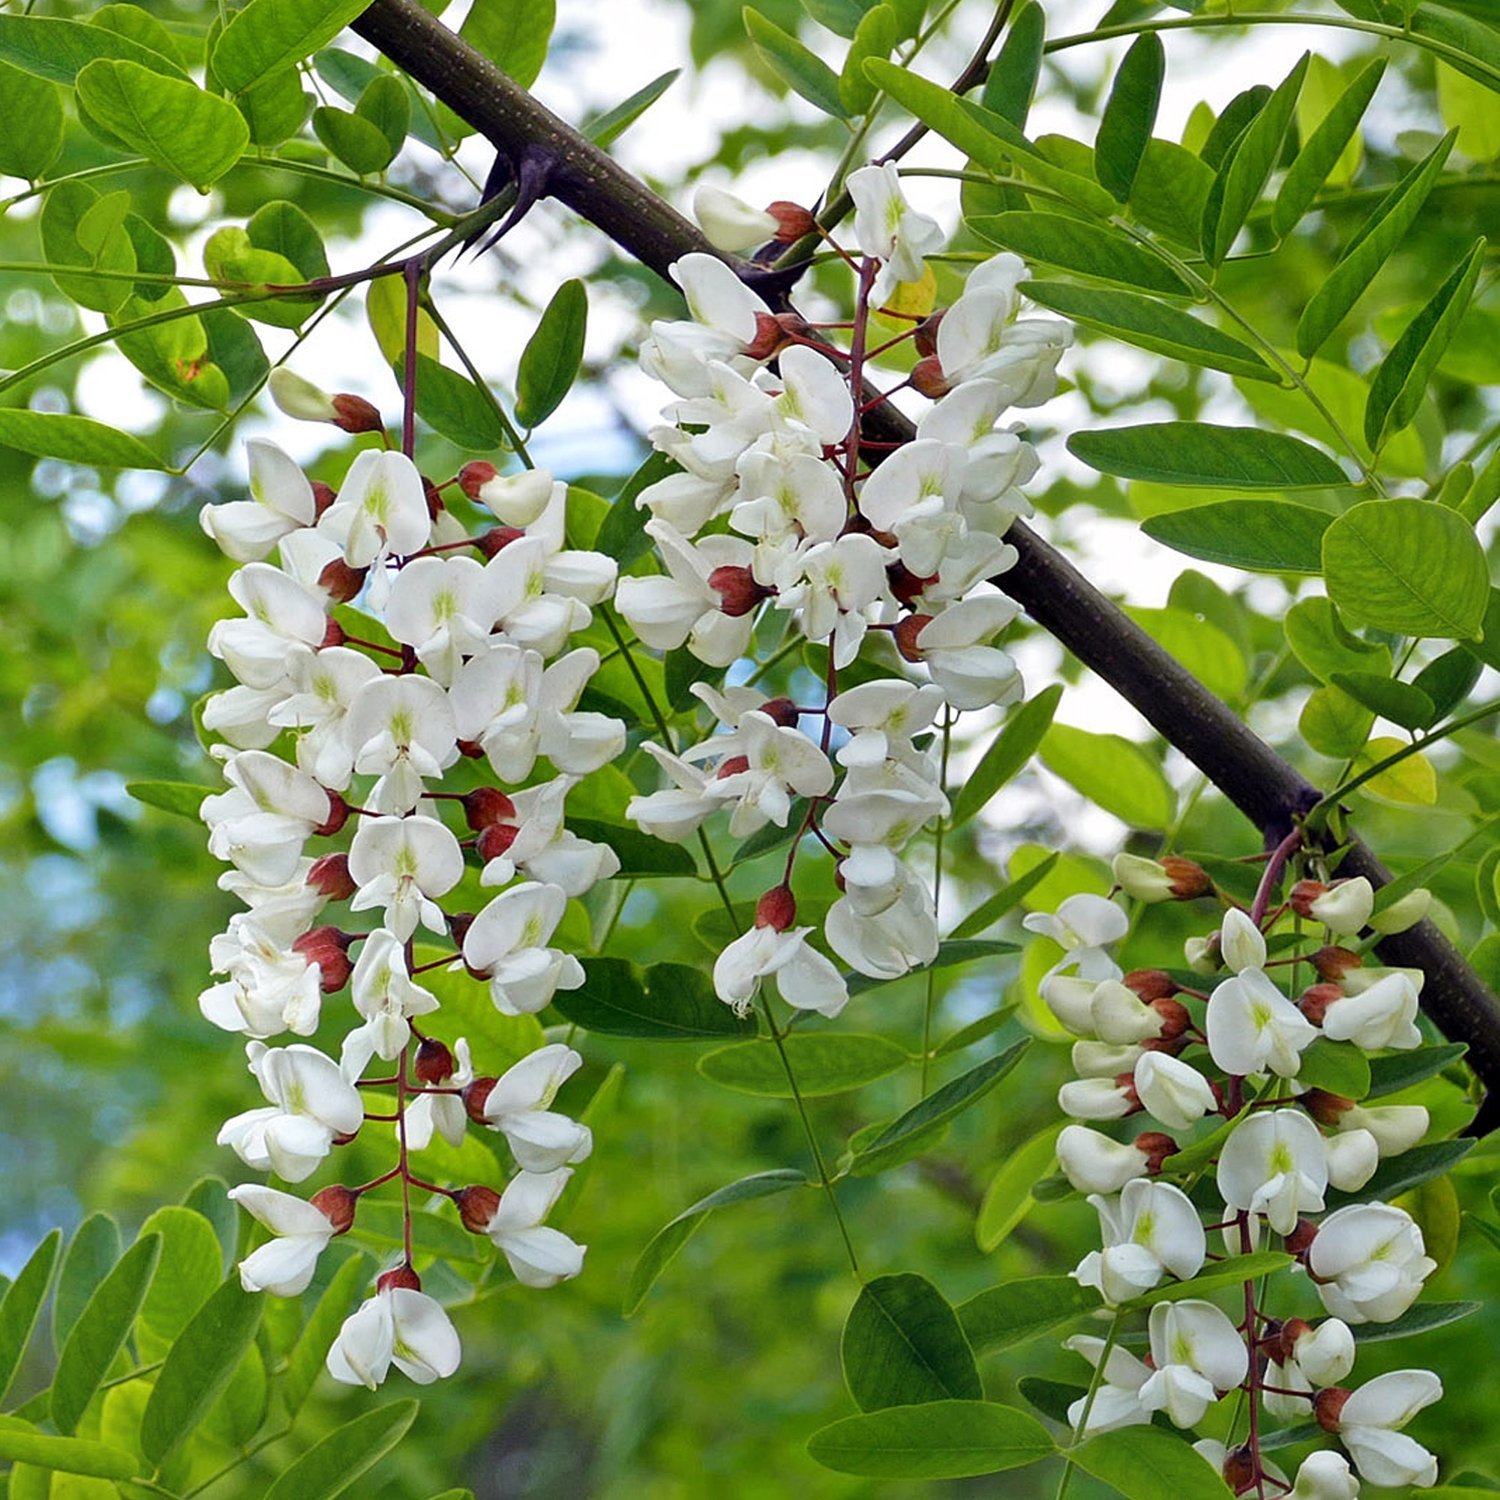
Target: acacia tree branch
(1269,791)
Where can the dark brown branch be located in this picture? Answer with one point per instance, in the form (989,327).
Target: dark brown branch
(1251,774)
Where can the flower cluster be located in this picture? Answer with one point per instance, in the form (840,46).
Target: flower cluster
(336,742)
(1153,1044)
(879,554)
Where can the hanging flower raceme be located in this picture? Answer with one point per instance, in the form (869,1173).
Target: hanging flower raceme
(340,750)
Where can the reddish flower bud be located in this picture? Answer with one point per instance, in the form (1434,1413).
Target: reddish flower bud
(497,539)
(472,749)
(1158,1146)
(476,1207)
(1189,879)
(459,924)
(328,948)
(1324,1107)
(777,909)
(1150,984)
(402,1276)
(1314,1001)
(338,815)
(1125,1082)
(792,220)
(330,875)
(475,1096)
(927,378)
(355,414)
(337,1205)
(333,635)
(737,589)
(907,634)
(1303,894)
(323,496)
(1328,1406)
(782,711)
(495,840)
(474,476)
(1239,1470)
(341,581)
(1174,1016)
(434,1062)
(732,766)
(1332,963)
(486,805)
(924,335)
(906,585)
(770,336)
(1281,1344)
(1299,1241)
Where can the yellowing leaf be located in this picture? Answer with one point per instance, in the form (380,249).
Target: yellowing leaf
(1409,782)
(910,299)
(385,306)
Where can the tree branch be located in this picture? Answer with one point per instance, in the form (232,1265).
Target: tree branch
(1268,790)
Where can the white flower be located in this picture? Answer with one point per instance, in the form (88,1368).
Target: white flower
(280,501)
(1093,1163)
(261,824)
(882,716)
(888,228)
(270,987)
(675,812)
(1370,1423)
(780,763)
(888,935)
(299,397)
(1402,914)
(1251,1026)
(540,1139)
(1083,926)
(1345,907)
(325,685)
(283,621)
(1325,1354)
(444,1113)
(397,1325)
(1241,942)
(1120,1015)
(538,1256)
(1175,1092)
(1197,1352)
(384,994)
(542,848)
(1101,1098)
(1382,1016)
(402,730)
(1275,1163)
(1151,1229)
(381,510)
(402,865)
(814,396)
(443,608)
(1116,1401)
(1093,1059)
(834,584)
(1353,1156)
(805,978)
(506,944)
(970,673)
(513,499)
(787,492)
(311,1102)
(729,223)
(1324,1476)
(1369,1260)
(1396,1127)
(283,1266)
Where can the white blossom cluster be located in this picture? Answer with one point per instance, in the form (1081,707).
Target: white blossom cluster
(328,734)
(781,503)
(1150,1046)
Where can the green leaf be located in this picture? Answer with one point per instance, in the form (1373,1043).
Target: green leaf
(1006,899)
(1323,148)
(1074,245)
(198,1367)
(1208,456)
(603,129)
(976,1031)
(1199,645)
(667,1002)
(1449,679)
(209,1198)
(801,70)
(823,1063)
(937,1440)
(1396,1174)
(1171,186)
(875,36)
(188,1273)
(1248,167)
(670,1238)
(1401,381)
(902,1346)
(94,1248)
(192,134)
(641,855)
(1400,702)
(1333,724)
(21,1443)
(1016,1311)
(1145,1463)
(1470,107)
(178,797)
(623,533)
(1422,1318)
(305,1362)
(950,953)
(1322,643)
(58,49)
(355,141)
(550,360)
(79,228)
(275,108)
(1389,1075)
(1369,248)
(1261,536)
(1237,117)
(1337,1067)
(513,34)
(456,408)
(21,1305)
(270,34)
(1153,325)
(1008,1198)
(1407,566)
(1129,114)
(333,1463)
(1119,775)
(1014,72)
(1008,753)
(99,1333)
(839,16)
(386,104)
(31,126)
(896,1142)
(1232,1272)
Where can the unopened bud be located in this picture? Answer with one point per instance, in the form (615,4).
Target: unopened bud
(300,398)
(1174,1018)
(729,223)
(1150,984)
(1189,879)
(1314,1001)
(1156,1146)
(434,1062)
(323,496)
(770,336)
(338,815)
(402,1276)
(737,589)
(459,923)
(1328,1406)
(355,414)
(341,582)
(337,1205)
(927,378)
(1144,879)
(907,586)
(1299,1241)
(781,711)
(497,539)
(477,1207)
(777,909)
(495,840)
(1125,1082)
(330,875)
(1324,1107)
(907,633)
(328,948)
(924,335)
(1203,954)
(1283,1345)
(471,749)
(1332,963)
(475,1096)
(333,635)
(486,805)
(1343,907)
(474,476)
(732,765)
(792,220)
(1239,1470)
(434,498)
(513,499)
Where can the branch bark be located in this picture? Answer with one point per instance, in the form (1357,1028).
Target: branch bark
(1268,790)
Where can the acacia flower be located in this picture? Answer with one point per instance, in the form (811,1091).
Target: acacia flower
(1151,1229)
(1196,1353)
(1369,1423)
(1369,1262)
(311,1102)
(281,500)
(1275,1164)
(1251,1026)
(284,1265)
(517,1105)
(399,1325)
(402,865)
(506,944)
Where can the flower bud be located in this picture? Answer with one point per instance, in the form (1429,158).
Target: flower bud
(1189,879)
(402,1276)
(737,589)
(1239,1470)
(1157,1146)
(459,923)
(338,815)
(300,398)
(732,765)
(1324,1107)
(907,586)
(434,1062)
(924,335)
(1299,1241)
(1332,963)
(328,948)
(337,1204)
(1343,907)
(513,499)
(1281,1339)
(355,414)
(907,633)
(486,805)
(497,539)
(1175,1018)
(777,909)
(771,334)
(1353,1156)
(495,840)
(330,875)
(792,220)
(1241,942)
(339,581)
(781,711)
(323,496)
(1144,879)
(1324,1354)
(333,635)
(1150,984)
(729,223)
(1400,915)
(1203,955)
(477,1207)
(475,1096)
(1328,1404)
(1314,1001)
(1119,1015)
(927,378)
